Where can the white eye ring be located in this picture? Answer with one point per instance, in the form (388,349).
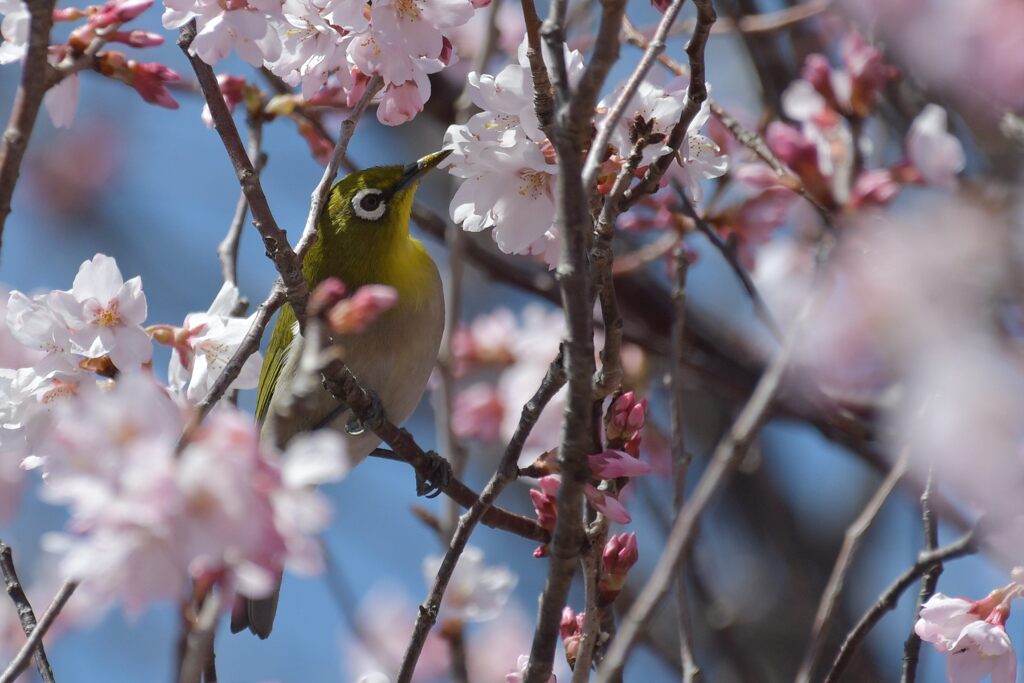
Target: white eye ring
(368,204)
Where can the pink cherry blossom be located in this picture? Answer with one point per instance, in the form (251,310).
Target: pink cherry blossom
(607,504)
(613,464)
(932,150)
(545,501)
(205,343)
(105,314)
(476,592)
(477,413)
(61,102)
(983,649)
(15,28)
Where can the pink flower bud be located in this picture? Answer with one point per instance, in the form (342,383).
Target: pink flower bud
(326,295)
(613,464)
(607,504)
(355,314)
(135,38)
(545,501)
(625,416)
(118,12)
(480,4)
(868,73)
(149,79)
(818,72)
(619,555)
(874,187)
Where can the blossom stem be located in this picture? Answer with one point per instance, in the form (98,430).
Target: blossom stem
(24,608)
(35,81)
(926,561)
(912,646)
(35,639)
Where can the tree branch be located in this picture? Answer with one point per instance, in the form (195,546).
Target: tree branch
(35,639)
(35,80)
(844,560)
(24,608)
(507,472)
(912,646)
(926,561)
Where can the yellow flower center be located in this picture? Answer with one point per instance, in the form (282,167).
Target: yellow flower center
(407,10)
(108,316)
(533,183)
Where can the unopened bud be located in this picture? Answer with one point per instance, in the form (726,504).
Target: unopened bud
(619,555)
(326,295)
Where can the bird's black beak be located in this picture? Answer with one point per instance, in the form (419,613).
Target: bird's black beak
(414,171)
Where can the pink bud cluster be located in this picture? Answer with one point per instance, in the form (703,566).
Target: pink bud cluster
(619,555)
(355,313)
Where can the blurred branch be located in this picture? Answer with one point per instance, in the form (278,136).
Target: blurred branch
(730,256)
(507,471)
(912,646)
(199,640)
(926,562)
(24,608)
(844,560)
(35,639)
(680,457)
(726,457)
(35,80)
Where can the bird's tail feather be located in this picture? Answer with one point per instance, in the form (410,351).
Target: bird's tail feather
(257,615)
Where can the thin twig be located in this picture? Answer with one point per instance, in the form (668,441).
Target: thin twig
(35,639)
(507,471)
(926,561)
(274,238)
(591,630)
(320,192)
(680,456)
(844,560)
(912,645)
(726,457)
(760,307)
(227,250)
(696,94)
(34,83)
(26,616)
(655,47)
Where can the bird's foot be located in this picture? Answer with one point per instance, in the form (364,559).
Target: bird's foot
(430,483)
(373,421)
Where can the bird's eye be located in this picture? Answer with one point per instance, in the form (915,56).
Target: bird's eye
(369,204)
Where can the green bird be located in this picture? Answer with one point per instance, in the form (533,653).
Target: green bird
(363,238)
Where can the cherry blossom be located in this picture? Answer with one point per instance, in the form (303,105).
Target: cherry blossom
(932,150)
(61,101)
(475,592)
(477,413)
(972,634)
(105,314)
(14,28)
(205,343)
(607,504)
(147,517)
(613,464)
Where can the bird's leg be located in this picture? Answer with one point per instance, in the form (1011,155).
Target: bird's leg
(436,478)
(374,417)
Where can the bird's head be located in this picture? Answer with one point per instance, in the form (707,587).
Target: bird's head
(375,204)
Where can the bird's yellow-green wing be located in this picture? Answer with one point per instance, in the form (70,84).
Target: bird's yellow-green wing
(277,352)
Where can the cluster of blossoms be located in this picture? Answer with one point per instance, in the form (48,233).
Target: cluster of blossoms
(972,634)
(507,165)
(333,44)
(151,510)
(103,25)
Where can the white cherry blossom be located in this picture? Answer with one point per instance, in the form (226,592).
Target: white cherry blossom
(933,151)
(476,592)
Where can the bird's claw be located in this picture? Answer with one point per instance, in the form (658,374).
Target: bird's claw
(436,479)
(373,421)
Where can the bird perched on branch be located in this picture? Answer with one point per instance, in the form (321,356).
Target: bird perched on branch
(362,238)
